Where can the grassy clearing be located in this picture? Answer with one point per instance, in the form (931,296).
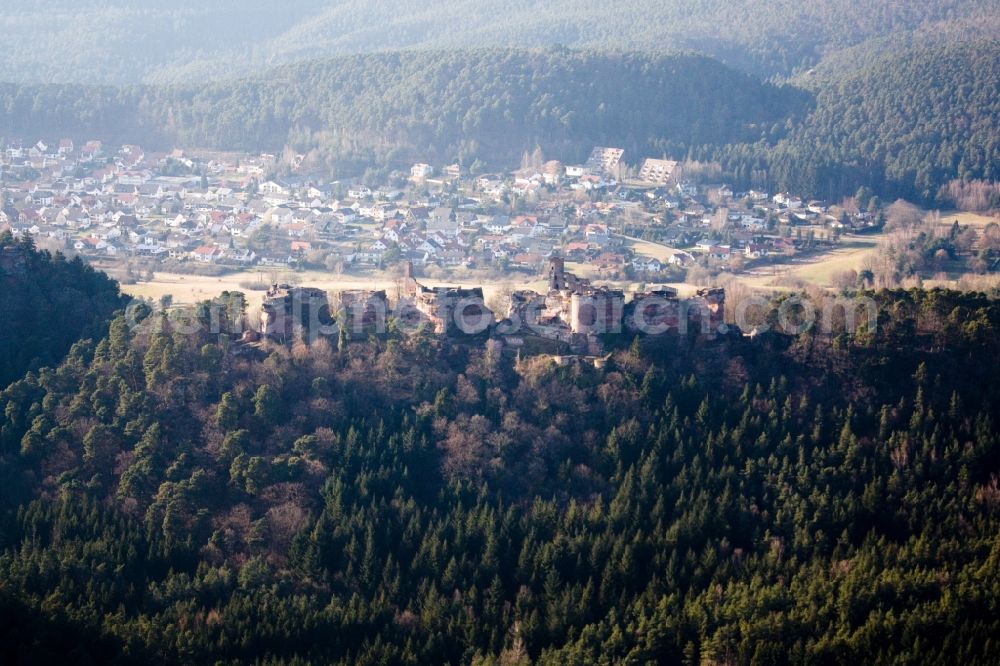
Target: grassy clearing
(818,269)
(187,289)
(651,249)
(977,220)
(849,256)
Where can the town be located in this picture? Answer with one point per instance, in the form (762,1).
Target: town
(655,220)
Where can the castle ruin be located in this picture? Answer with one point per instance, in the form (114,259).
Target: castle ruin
(362,311)
(446,308)
(575,311)
(287,309)
(572,311)
(661,310)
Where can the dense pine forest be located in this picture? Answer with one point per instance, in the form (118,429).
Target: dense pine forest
(47,303)
(903,124)
(821,498)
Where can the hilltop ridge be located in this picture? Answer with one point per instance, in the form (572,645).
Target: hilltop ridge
(184,40)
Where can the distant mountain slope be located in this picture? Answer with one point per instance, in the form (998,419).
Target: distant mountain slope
(847,61)
(396,107)
(128,41)
(905,123)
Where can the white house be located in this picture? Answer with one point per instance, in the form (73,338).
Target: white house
(787,200)
(421,171)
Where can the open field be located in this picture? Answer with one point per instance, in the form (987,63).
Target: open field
(651,249)
(187,289)
(818,269)
(848,256)
(977,220)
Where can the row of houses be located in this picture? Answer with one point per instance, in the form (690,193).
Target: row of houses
(124,202)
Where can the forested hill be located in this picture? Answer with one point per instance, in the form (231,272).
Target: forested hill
(843,62)
(132,41)
(818,499)
(910,120)
(398,107)
(904,124)
(47,303)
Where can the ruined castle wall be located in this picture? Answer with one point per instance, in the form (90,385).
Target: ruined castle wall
(597,312)
(286,308)
(661,311)
(364,310)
